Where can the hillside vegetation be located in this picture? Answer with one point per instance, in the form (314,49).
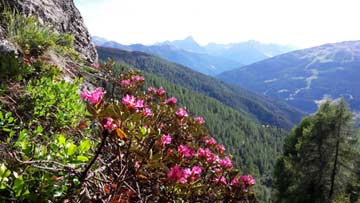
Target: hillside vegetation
(126,144)
(266,110)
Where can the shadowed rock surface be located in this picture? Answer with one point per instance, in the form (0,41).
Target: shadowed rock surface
(63,16)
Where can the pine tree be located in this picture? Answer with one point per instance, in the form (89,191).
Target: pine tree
(319,158)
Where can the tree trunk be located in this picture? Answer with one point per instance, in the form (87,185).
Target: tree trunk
(333,174)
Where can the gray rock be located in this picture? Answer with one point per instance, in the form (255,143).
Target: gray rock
(64,16)
(7,47)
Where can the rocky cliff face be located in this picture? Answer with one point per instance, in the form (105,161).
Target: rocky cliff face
(65,18)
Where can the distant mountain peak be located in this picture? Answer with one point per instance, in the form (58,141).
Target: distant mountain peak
(190,39)
(188,44)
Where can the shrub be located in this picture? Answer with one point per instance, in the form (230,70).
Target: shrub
(34,38)
(55,103)
(154,151)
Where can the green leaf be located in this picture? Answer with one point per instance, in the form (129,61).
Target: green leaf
(18,186)
(3,169)
(11,119)
(61,139)
(82,158)
(85,146)
(143,131)
(39,130)
(71,149)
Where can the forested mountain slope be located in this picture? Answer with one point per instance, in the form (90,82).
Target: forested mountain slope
(264,109)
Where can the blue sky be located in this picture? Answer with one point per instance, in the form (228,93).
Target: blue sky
(303,23)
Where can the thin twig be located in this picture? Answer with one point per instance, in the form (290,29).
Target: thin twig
(97,153)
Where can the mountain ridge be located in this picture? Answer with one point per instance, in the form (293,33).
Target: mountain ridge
(211,59)
(303,78)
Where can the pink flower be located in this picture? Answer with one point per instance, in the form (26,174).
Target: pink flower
(147,112)
(95,65)
(84,95)
(160,92)
(220,148)
(125,83)
(93,97)
(248,180)
(186,174)
(221,180)
(171,101)
(210,141)
(152,90)
(186,151)
(208,155)
(169,152)
(204,153)
(131,102)
(139,104)
(182,175)
(178,174)
(175,173)
(226,163)
(213,158)
(109,125)
(138,78)
(165,139)
(196,172)
(181,113)
(201,152)
(234,181)
(218,170)
(200,120)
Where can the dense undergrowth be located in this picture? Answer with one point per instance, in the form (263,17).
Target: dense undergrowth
(125,144)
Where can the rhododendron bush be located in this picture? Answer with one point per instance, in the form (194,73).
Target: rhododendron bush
(153,150)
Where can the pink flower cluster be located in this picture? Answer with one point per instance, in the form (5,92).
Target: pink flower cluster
(226,162)
(200,120)
(133,81)
(171,101)
(186,151)
(182,175)
(132,103)
(221,180)
(159,92)
(210,141)
(248,180)
(147,112)
(220,148)
(109,124)
(181,113)
(165,140)
(208,155)
(93,97)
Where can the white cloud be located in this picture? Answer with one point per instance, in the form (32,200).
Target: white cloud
(301,22)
